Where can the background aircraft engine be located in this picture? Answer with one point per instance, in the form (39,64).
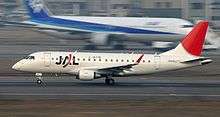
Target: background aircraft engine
(99,38)
(87,75)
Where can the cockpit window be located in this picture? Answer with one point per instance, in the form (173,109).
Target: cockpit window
(30,57)
(187,26)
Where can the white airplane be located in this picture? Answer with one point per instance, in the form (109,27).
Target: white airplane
(90,66)
(106,30)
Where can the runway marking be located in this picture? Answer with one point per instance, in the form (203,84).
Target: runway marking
(133,95)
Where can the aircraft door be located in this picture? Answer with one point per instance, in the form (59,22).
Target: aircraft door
(47,61)
(157,62)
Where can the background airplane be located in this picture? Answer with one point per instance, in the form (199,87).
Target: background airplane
(107,30)
(90,66)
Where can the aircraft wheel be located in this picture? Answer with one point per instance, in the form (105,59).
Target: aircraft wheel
(39,81)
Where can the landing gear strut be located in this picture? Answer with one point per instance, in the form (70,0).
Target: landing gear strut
(109,81)
(39,78)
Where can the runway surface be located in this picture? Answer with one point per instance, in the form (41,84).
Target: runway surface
(127,89)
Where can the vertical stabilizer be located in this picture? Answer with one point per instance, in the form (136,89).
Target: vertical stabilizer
(37,9)
(193,43)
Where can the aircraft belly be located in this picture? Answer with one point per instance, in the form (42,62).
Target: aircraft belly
(64,35)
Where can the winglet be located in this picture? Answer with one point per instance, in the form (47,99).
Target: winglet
(140,58)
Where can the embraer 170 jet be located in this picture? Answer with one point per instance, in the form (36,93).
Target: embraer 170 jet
(90,66)
(106,30)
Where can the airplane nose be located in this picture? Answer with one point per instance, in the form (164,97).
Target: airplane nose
(16,66)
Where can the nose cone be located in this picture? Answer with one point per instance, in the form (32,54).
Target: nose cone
(16,66)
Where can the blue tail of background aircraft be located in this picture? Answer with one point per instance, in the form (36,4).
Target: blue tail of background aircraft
(37,9)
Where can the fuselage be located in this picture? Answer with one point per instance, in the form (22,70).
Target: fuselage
(110,24)
(73,62)
(134,28)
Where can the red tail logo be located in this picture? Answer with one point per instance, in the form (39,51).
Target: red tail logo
(194,41)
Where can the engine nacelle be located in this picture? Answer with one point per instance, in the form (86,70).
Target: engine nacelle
(99,38)
(87,75)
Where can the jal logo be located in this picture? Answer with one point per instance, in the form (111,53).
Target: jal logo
(67,60)
(36,5)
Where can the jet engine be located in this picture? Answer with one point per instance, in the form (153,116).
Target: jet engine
(87,75)
(100,38)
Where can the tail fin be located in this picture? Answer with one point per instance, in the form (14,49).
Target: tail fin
(193,43)
(37,9)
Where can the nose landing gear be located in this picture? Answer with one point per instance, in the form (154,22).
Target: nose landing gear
(39,78)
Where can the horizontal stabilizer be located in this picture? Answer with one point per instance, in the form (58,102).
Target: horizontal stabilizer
(202,60)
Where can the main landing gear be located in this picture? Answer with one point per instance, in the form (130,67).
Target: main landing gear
(39,78)
(109,81)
